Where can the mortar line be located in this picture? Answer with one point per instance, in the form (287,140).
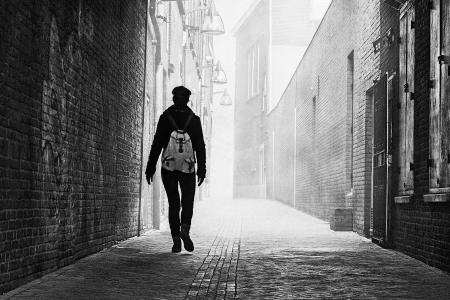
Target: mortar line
(229,267)
(237,262)
(221,268)
(204,259)
(212,275)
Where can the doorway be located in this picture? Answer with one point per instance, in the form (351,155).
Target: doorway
(381,159)
(262,172)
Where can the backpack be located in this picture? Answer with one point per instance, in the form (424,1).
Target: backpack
(179,154)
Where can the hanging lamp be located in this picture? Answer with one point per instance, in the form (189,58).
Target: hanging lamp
(219,76)
(225,99)
(213,23)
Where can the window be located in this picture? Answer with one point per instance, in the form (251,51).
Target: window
(168,29)
(264,96)
(349,144)
(439,97)
(313,121)
(249,73)
(256,70)
(406,102)
(253,70)
(262,166)
(164,89)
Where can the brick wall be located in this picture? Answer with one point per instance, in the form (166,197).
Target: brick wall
(149,217)
(71,87)
(420,229)
(321,157)
(281,147)
(366,71)
(289,16)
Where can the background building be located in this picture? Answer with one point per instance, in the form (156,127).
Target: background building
(271,38)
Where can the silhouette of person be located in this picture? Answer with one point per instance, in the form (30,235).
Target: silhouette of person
(179,133)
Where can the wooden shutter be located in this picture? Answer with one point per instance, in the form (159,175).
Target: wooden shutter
(439,95)
(406,102)
(410,100)
(435,101)
(445,92)
(402,103)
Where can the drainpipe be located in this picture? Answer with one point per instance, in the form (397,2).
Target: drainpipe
(143,119)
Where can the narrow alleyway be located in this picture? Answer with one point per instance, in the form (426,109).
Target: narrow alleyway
(278,252)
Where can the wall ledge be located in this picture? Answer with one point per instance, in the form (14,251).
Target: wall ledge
(402,199)
(436,198)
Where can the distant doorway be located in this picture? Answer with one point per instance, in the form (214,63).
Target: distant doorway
(262,172)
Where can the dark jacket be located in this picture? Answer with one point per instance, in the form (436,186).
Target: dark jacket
(162,136)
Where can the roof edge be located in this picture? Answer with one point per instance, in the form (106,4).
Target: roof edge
(244,17)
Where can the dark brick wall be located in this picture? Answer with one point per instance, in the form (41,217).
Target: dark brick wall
(367,69)
(420,229)
(71,87)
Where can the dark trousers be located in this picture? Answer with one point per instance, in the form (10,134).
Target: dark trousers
(171,180)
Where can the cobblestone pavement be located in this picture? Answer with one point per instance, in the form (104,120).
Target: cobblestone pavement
(245,249)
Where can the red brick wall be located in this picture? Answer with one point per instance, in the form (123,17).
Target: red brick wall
(71,88)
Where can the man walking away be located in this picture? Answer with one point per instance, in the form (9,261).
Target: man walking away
(179,133)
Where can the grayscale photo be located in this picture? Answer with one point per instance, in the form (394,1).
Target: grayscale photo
(224,149)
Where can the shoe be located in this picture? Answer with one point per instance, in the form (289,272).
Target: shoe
(184,234)
(176,244)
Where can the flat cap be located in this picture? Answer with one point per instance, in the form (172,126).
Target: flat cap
(181,91)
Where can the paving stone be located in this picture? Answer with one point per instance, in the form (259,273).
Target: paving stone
(245,249)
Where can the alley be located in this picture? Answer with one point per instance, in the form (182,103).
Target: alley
(278,252)
(319,141)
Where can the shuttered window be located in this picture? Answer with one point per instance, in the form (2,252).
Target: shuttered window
(253,61)
(249,73)
(439,96)
(256,69)
(406,102)
(264,93)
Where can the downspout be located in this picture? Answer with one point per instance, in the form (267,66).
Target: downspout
(388,160)
(156,43)
(143,119)
(295,152)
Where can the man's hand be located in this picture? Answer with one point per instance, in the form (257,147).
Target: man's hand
(200,181)
(149,178)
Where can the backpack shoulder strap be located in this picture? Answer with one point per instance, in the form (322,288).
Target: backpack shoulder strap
(172,120)
(191,115)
